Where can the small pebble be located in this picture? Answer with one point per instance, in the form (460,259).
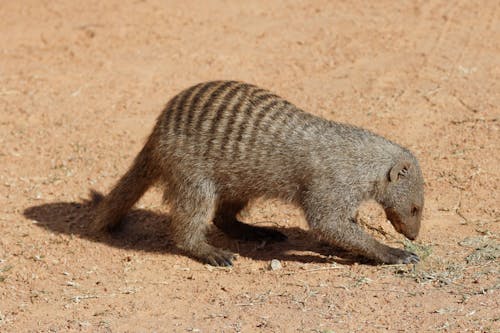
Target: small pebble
(274,265)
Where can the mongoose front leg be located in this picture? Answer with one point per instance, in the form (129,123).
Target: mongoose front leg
(352,237)
(345,233)
(225,219)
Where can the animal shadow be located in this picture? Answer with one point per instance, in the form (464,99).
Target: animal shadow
(145,230)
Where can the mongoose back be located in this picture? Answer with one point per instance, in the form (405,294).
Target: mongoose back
(218,144)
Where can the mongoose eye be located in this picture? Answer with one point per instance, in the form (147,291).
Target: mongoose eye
(414,210)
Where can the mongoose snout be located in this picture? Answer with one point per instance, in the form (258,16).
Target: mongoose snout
(409,228)
(218,145)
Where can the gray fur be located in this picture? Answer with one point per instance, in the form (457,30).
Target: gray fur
(219,144)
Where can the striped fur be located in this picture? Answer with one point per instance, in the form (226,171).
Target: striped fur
(219,144)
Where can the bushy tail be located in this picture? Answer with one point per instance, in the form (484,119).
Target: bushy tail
(129,189)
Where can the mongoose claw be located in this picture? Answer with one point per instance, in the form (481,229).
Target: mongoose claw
(412,259)
(219,262)
(218,257)
(398,256)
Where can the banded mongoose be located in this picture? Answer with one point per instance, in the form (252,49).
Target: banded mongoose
(218,144)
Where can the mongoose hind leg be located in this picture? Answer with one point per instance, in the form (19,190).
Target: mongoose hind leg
(225,219)
(192,209)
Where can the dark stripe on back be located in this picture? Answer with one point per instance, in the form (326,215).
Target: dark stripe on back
(284,107)
(195,104)
(258,119)
(273,127)
(208,103)
(233,115)
(254,104)
(219,113)
(182,106)
(169,112)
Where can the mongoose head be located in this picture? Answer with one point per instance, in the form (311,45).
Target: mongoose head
(403,198)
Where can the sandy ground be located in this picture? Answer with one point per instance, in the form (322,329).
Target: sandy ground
(81,84)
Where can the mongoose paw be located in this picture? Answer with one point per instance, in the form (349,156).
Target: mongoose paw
(217,257)
(398,256)
(412,259)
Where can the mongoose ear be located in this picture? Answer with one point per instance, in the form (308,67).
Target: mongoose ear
(399,170)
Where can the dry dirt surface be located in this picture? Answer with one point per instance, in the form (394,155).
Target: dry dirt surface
(81,83)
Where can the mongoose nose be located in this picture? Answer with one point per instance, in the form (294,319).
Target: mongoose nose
(411,234)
